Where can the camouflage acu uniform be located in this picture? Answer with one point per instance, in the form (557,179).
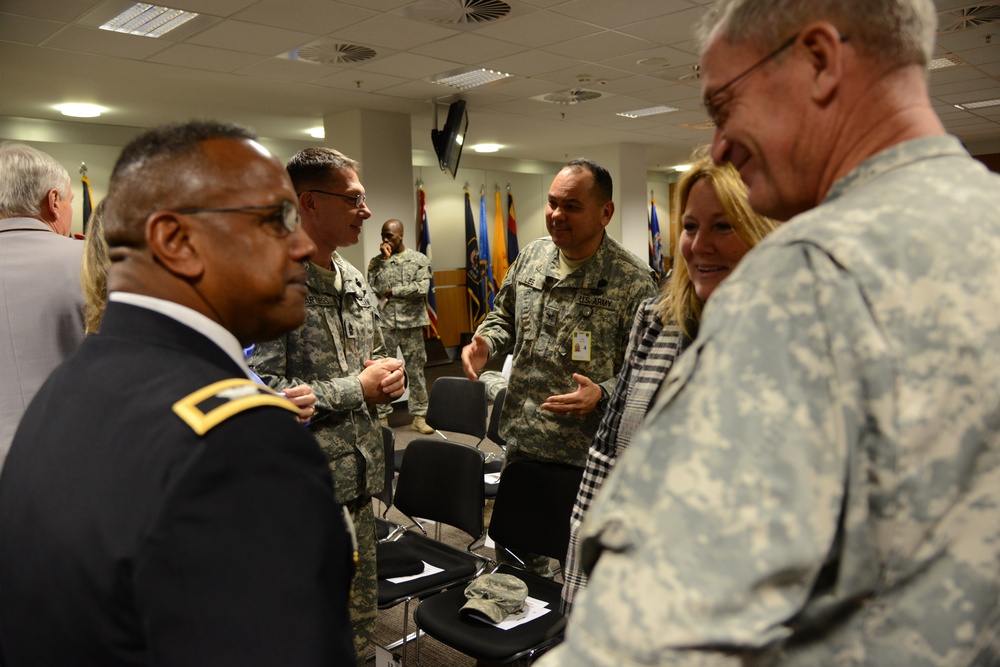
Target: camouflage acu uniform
(536,315)
(403,317)
(819,483)
(328,352)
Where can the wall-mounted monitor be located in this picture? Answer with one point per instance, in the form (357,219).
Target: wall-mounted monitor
(449,139)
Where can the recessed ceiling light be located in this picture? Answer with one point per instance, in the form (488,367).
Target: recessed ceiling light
(464,80)
(486,148)
(681,167)
(651,111)
(317,132)
(79,110)
(944,61)
(978,105)
(148,20)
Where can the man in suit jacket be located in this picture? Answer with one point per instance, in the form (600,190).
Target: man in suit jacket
(159,507)
(41,316)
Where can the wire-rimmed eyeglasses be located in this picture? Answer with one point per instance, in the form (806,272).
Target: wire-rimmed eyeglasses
(714,108)
(286,212)
(358,199)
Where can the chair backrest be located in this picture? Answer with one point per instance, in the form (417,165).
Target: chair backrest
(442,480)
(388,451)
(493,429)
(458,405)
(533,506)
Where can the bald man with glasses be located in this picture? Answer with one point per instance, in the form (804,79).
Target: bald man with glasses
(339,352)
(158,507)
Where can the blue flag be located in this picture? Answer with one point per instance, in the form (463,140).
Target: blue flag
(475,280)
(655,243)
(484,250)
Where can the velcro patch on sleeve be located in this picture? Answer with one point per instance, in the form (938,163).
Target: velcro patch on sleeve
(210,406)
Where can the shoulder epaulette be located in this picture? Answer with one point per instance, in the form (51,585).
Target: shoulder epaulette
(210,406)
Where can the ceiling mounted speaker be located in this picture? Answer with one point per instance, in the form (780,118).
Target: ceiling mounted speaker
(957,20)
(333,53)
(462,12)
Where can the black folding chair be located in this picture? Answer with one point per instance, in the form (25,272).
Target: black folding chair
(440,481)
(384,528)
(456,405)
(532,513)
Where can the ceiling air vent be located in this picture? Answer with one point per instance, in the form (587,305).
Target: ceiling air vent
(462,12)
(957,20)
(333,53)
(571,96)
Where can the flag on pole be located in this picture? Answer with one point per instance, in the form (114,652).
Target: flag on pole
(500,265)
(511,229)
(484,249)
(474,278)
(655,244)
(424,246)
(88,202)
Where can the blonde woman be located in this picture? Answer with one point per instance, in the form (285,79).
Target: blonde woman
(718,229)
(94,271)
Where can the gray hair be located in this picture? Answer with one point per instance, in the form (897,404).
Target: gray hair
(896,32)
(27,175)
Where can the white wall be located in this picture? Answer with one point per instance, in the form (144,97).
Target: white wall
(99,145)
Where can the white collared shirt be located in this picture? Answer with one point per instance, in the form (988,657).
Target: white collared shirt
(212,330)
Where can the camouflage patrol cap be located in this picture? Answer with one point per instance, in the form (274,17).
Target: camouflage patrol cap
(493,596)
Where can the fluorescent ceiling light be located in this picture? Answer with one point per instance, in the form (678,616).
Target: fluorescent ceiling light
(78,110)
(464,80)
(486,148)
(148,20)
(681,167)
(651,111)
(944,61)
(317,132)
(978,105)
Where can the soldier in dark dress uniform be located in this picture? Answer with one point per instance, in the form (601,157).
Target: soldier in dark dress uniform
(158,507)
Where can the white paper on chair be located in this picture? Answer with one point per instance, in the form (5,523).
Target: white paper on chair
(531,610)
(428,571)
(492,478)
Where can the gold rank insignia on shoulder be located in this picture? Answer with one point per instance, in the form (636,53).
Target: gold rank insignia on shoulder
(210,406)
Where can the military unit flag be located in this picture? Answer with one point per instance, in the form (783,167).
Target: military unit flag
(475,276)
(424,246)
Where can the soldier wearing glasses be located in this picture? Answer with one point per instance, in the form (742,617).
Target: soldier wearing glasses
(339,352)
(158,507)
(817,483)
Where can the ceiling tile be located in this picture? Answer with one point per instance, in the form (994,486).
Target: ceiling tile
(396,32)
(538,29)
(633,11)
(62,10)
(251,38)
(318,17)
(105,43)
(203,57)
(532,63)
(288,70)
(469,48)
(370,81)
(410,66)
(25,29)
(600,46)
(674,29)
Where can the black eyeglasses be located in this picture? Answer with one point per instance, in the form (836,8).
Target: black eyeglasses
(357,199)
(286,213)
(715,109)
